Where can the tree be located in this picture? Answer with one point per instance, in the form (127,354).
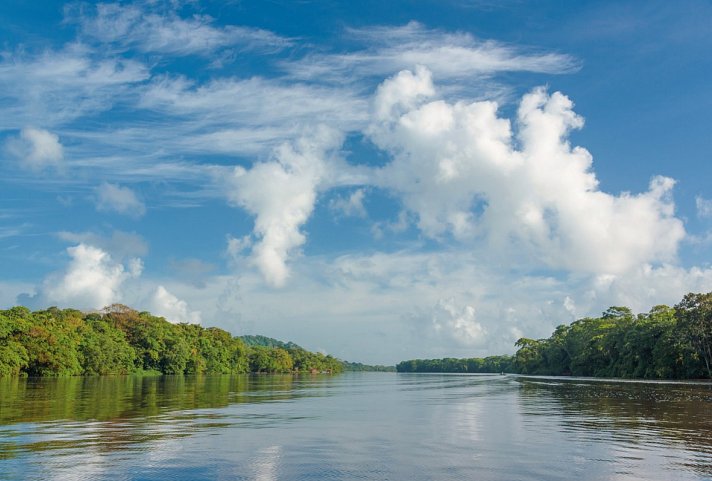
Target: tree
(52,342)
(105,350)
(528,358)
(694,313)
(13,355)
(174,358)
(270,359)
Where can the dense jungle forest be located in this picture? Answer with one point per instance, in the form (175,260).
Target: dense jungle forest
(121,340)
(665,343)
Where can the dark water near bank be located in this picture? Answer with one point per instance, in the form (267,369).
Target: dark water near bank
(371,426)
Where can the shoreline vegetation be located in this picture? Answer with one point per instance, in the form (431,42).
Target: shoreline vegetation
(665,343)
(120,340)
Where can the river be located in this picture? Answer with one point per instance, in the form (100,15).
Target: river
(360,426)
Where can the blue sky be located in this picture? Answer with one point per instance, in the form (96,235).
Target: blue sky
(376,180)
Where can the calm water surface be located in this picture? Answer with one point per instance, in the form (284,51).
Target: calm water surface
(371,426)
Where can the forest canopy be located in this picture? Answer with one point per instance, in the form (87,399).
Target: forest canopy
(121,340)
(665,343)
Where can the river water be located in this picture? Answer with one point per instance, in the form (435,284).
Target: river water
(361,426)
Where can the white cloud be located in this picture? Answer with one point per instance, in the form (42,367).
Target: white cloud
(462,171)
(57,87)
(399,225)
(236,246)
(459,324)
(522,231)
(396,299)
(36,149)
(704,207)
(122,200)
(252,116)
(646,286)
(350,206)
(165,304)
(167,33)
(451,56)
(281,194)
(570,305)
(248,116)
(8,231)
(222,115)
(91,280)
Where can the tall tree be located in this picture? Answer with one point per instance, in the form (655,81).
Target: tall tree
(694,314)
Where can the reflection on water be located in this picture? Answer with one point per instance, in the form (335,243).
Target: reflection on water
(123,397)
(369,426)
(632,417)
(122,412)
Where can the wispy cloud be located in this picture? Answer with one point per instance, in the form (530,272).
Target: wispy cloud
(244,116)
(120,104)
(704,207)
(36,149)
(177,120)
(163,31)
(349,206)
(13,230)
(450,56)
(122,200)
(55,87)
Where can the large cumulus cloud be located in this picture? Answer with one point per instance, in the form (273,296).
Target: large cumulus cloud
(466,172)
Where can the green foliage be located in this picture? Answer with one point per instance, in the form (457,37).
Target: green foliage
(270,360)
(305,361)
(491,364)
(52,343)
(655,345)
(666,343)
(359,367)
(121,340)
(694,313)
(13,355)
(105,349)
(268,342)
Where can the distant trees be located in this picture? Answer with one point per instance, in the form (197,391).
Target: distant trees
(360,367)
(121,340)
(491,364)
(667,342)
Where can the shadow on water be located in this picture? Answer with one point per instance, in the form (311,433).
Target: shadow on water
(121,412)
(645,414)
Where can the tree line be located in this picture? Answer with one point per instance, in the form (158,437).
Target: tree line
(121,340)
(290,347)
(449,364)
(665,343)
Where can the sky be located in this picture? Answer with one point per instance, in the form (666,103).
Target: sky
(379,181)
